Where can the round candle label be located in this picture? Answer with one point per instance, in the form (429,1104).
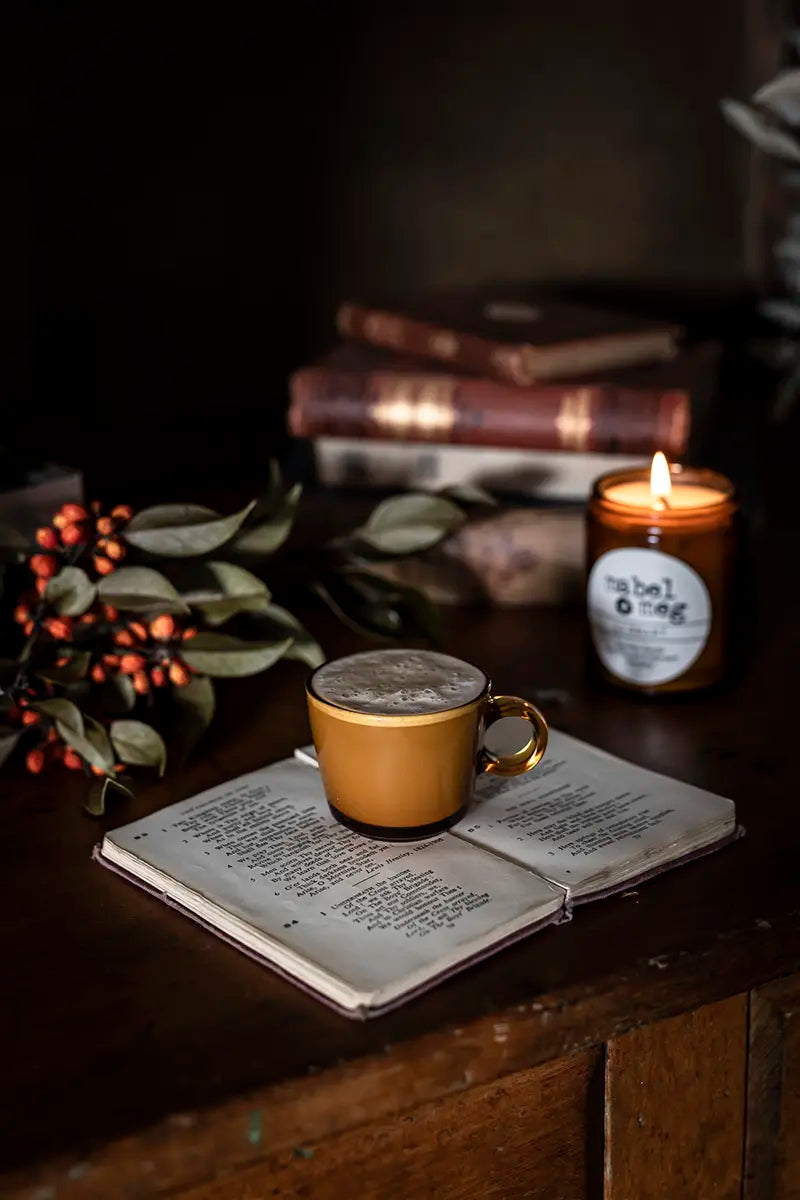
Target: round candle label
(649,614)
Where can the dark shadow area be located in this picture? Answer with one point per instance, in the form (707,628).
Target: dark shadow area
(204,192)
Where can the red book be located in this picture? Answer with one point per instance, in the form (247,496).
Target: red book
(511,334)
(361,392)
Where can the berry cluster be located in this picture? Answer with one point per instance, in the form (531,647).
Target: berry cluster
(148,653)
(73,529)
(107,643)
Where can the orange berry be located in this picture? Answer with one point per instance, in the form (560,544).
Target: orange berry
(158,677)
(123,512)
(162,627)
(28,628)
(52,736)
(189,633)
(60,521)
(179,674)
(74,512)
(103,566)
(115,549)
(111,613)
(62,662)
(72,760)
(98,674)
(138,630)
(131,663)
(44,565)
(105,525)
(21,614)
(34,761)
(89,618)
(119,768)
(71,535)
(97,770)
(123,638)
(29,717)
(111,660)
(47,537)
(41,587)
(96,507)
(59,627)
(141,683)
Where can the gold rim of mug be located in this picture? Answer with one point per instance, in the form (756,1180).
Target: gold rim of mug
(389,719)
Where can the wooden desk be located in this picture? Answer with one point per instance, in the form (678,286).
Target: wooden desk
(649,1048)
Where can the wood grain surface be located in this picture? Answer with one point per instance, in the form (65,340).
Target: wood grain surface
(772,1161)
(675,1103)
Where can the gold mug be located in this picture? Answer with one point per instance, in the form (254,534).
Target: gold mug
(400,776)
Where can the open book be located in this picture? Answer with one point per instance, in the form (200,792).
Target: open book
(365,925)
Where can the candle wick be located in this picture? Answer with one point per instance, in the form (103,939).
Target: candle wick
(665,502)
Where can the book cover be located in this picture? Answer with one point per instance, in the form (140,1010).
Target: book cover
(362,391)
(547,475)
(510,333)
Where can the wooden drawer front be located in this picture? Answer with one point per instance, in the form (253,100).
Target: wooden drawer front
(675,1104)
(772,1161)
(522,1137)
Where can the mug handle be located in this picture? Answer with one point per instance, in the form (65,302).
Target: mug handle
(530,754)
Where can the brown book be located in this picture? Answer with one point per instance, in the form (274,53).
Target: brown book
(360,391)
(511,334)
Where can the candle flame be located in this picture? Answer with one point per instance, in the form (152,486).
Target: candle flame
(660,482)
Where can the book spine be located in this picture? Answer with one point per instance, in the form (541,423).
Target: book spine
(534,474)
(423,407)
(467,350)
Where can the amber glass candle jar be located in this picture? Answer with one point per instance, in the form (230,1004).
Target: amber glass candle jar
(661,566)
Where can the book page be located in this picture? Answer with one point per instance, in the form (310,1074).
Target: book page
(264,852)
(587,820)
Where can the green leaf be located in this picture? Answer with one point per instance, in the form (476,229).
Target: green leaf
(269,535)
(97,748)
(140,589)
(408,524)
(304,647)
(71,672)
(223,656)
(8,742)
(469,493)
(95,802)
(80,731)
(370,604)
(70,592)
(229,589)
(182,530)
(138,744)
(194,707)
(117,695)
(66,714)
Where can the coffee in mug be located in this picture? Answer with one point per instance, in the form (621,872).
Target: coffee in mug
(399,739)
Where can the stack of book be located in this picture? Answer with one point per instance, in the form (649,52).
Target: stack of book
(530,399)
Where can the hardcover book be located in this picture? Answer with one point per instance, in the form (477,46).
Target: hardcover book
(366,925)
(362,391)
(511,333)
(548,475)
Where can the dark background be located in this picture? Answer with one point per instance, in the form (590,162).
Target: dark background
(186,198)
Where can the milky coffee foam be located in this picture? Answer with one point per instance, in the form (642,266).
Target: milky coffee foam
(390,682)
